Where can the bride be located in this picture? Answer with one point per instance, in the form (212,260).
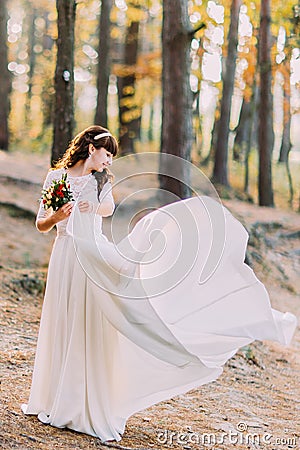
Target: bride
(126,326)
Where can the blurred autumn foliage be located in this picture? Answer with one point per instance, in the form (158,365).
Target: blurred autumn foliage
(131,58)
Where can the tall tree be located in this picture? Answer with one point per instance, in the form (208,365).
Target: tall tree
(64,78)
(177,128)
(5,80)
(251,133)
(104,62)
(286,144)
(265,126)
(47,100)
(220,172)
(33,14)
(242,131)
(129,110)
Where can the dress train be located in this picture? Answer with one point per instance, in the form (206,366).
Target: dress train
(127,325)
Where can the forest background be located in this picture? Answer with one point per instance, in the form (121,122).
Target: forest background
(242,71)
(214,82)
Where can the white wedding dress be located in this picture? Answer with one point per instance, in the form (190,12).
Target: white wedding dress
(127,325)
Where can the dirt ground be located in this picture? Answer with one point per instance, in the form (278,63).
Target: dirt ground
(254,404)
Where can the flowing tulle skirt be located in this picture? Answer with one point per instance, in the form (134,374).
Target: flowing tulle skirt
(126,326)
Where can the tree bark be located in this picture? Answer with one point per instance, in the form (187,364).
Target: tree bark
(48,95)
(198,135)
(286,144)
(177,127)
(242,131)
(64,79)
(129,111)
(220,172)
(213,136)
(251,137)
(5,79)
(265,126)
(32,60)
(151,124)
(104,63)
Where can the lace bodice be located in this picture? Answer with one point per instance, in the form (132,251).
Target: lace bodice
(83,188)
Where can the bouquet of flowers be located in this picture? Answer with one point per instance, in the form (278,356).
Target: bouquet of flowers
(57,194)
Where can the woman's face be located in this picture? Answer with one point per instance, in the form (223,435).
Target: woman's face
(100,158)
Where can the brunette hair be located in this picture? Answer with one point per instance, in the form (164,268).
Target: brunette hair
(79,149)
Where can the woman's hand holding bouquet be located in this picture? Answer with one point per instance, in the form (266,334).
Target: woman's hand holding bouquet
(58,196)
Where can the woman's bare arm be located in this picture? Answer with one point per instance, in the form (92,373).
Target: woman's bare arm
(45,224)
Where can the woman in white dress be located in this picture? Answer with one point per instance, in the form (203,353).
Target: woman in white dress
(113,339)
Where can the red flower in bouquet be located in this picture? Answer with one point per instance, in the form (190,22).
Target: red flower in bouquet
(57,194)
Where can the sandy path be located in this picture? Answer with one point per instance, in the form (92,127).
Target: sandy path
(259,389)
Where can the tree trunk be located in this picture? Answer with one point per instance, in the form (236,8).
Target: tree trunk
(47,39)
(151,123)
(220,172)
(32,59)
(48,95)
(251,137)
(129,111)
(104,62)
(177,128)
(64,79)
(5,79)
(214,135)
(286,144)
(242,131)
(265,126)
(198,127)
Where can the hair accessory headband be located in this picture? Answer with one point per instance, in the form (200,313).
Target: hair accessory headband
(101,135)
